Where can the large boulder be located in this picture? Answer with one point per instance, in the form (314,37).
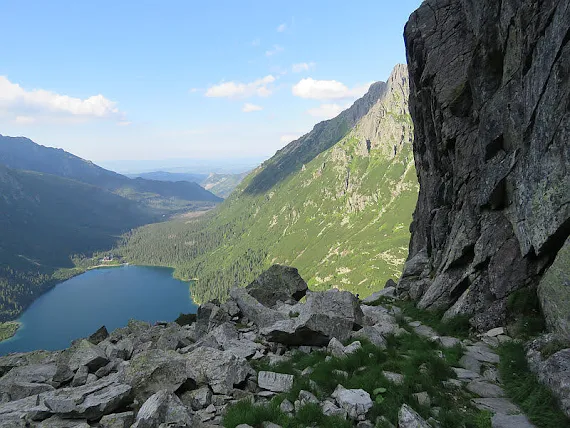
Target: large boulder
(208,317)
(325,315)
(278,283)
(222,370)
(10,361)
(554,293)
(261,315)
(91,401)
(154,370)
(164,407)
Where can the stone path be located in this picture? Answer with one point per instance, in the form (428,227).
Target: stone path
(478,374)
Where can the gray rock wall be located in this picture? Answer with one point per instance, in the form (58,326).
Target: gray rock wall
(490,100)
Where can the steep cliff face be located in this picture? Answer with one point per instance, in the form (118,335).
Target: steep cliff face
(490,101)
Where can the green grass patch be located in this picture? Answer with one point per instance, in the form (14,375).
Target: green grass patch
(410,355)
(525,390)
(523,309)
(457,326)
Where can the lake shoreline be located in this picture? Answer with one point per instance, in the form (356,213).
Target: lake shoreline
(101,296)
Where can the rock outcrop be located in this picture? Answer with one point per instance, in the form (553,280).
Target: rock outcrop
(490,101)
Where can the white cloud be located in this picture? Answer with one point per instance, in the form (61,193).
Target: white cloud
(281,28)
(275,50)
(27,105)
(248,108)
(327,111)
(302,66)
(260,87)
(287,138)
(327,90)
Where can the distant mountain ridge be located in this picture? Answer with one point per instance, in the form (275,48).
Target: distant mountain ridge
(23,153)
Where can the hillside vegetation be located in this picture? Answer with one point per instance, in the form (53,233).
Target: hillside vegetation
(336,204)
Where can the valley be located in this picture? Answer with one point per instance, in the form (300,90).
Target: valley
(336,204)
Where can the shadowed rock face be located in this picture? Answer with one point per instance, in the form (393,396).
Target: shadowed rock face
(490,101)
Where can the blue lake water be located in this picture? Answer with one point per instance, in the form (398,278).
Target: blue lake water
(110,297)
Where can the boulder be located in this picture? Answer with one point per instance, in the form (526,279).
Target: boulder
(337,349)
(554,372)
(197,399)
(510,421)
(356,402)
(374,334)
(388,292)
(261,315)
(276,382)
(325,315)
(408,418)
(331,409)
(154,370)
(278,283)
(85,353)
(90,401)
(8,362)
(554,292)
(225,337)
(117,420)
(164,407)
(28,380)
(208,317)
(100,335)
(219,369)
(30,408)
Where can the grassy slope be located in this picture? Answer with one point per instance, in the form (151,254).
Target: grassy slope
(342,219)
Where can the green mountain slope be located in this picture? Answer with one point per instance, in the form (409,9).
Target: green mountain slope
(222,185)
(44,219)
(336,204)
(22,153)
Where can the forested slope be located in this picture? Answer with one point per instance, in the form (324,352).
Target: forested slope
(44,220)
(336,204)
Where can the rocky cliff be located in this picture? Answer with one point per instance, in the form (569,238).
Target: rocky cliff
(490,101)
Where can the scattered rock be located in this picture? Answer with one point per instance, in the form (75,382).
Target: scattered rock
(90,401)
(85,353)
(496,405)
(164,407)
(356,402)
(198,398)
(422,398)
(408,418)
(338,350)
(117,420)
(494,332)
(276,382)
(395,378)
(373,334)
(331,409)
(286,406)
(99,336)
(388,292)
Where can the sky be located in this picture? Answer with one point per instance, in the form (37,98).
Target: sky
(163,80)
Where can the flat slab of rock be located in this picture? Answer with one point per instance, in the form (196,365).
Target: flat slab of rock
(374,334)
(463,374)
(485,389)
(510,421)
(356,402)
(276,382)
(117,420)
(385,293)
(482,353)
(496,405)
(90,401)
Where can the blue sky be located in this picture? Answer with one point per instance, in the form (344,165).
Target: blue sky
(112,80)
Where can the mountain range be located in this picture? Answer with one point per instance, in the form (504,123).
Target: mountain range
(55,205)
